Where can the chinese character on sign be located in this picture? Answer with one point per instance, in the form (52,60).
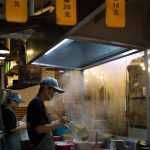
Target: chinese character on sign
(67,6)
(116,12)
(17,3)
(67,1)
(67,14)
(116,7)
(19,13)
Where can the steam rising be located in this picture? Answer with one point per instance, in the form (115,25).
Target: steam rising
(97,97)
(78,108)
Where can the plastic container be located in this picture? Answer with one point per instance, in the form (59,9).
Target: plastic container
(57,138)
(64,145)
(113,145)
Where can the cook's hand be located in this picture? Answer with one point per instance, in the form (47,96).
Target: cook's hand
(23,126)
(64,120)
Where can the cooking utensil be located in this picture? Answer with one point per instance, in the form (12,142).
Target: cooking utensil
(78,129)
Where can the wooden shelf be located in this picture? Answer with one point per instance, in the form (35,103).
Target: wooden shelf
(13,71)
(12,56)
(21,86)
(138,126)
(138,97)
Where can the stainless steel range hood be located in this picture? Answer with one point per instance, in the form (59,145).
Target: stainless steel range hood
(80,55)
(91,41)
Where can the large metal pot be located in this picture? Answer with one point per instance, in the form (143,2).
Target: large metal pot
(83,145)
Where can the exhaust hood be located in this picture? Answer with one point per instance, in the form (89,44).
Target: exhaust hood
(90,42)
(79,55)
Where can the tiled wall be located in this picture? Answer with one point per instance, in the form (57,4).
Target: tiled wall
(20,112)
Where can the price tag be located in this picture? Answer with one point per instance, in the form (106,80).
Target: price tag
(16,11)
(66,13)
(115,13)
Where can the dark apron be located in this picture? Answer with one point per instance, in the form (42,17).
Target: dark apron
(46,143)
(13,141)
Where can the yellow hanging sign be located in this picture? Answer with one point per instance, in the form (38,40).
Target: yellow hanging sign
(16,11)
(115,13)
(66,13)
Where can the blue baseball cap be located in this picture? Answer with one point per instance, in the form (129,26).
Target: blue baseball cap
(15,97)
(51,82)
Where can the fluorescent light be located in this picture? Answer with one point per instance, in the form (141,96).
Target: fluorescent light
(4,52)
(129,52)
(142,64)
(56,46)
(3,49)
(2,58)
(41,64)
(30,52)
(61,71)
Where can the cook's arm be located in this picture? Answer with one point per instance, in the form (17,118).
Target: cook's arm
(50,127)
(19,127)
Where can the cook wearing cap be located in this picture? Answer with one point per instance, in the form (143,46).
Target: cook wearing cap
(51,82)
(16,97)
(10,122)
(38,124)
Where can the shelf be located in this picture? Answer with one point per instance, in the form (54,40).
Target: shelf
(138,126)
(21,86)
(13,71)
(28,75)
(137,97)
(12,56)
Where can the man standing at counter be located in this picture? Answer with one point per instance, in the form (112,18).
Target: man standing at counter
(38,125)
